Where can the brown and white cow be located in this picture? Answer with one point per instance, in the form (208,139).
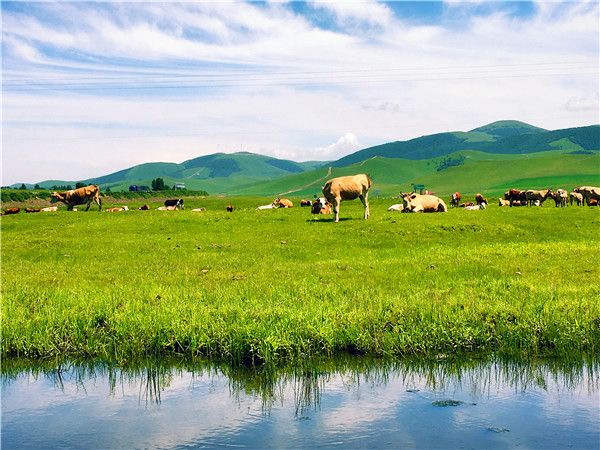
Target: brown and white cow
(455,199)
(516,197)
(320,206)
(560,198)
(588,193)
(532,195)
(80,196)
(144,207)
(229,208)
(32,210)
(593,202)
(348,188)
(282,203)
(423,203)
(480,199)
(305,203)
(576,197)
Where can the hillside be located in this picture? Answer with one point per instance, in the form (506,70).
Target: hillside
(216,173)
(480,172)
(506,137)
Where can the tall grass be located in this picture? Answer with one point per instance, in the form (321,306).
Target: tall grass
(257,286)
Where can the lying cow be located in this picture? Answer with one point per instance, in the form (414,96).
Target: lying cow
(423,203)
(32,210)
(198,209)
(348,188)
(576,197)
(466,204)
(397,207)
(502,202)
(282,203)
(588,193)
(80,196)
(321,206)
(144,208)
(167,208)
(269,206)
(176,202)
(593,202)
(480,199)
(49,209)
(475,207)
(532,195)
(117,209)
(304,203)
(9,211)
(455,199)
(229,208)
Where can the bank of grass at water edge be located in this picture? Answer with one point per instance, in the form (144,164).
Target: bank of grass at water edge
(260,286)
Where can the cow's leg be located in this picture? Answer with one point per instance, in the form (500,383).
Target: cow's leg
(99,201)
(336,209)
(365,201)
(88,205)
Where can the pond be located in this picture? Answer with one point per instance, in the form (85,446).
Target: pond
(340,403)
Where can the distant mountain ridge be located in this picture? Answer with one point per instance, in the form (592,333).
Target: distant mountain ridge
(505,137)
(231,173)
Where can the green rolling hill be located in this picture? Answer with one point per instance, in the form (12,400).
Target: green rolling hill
(480,172)
(488,158)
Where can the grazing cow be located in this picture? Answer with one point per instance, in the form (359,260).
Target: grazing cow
(475,207)
(32,210)
(593,202)
(80,196)
(321,206)
(348,188)
(516,195)
(588,193)
(167,208)
(176,202)
(480,199)
(229,208)
(576,197)
(397,207)
(269,206)
(118,209)
(466,204)
(9,211)
(144,208)
(455,199)
(282,203)
(49,209)
(560,197)
(532,195)
(198,209)
(305,203)
(502,202)
(423,203)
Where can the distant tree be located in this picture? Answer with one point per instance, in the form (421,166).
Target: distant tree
(107,190)
(79,184)
(23,187)
(37,186)
(158,184)
(68,187)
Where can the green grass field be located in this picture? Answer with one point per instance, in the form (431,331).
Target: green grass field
(257,286)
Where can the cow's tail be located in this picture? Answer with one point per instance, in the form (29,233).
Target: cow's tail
(369,180)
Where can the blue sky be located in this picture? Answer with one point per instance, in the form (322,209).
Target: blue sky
(94,87)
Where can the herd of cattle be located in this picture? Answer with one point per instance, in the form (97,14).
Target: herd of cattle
(349,188)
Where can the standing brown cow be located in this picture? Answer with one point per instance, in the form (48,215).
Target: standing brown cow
(588,193)
(74,197)
(348,188)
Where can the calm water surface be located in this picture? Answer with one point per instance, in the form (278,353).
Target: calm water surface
(334,404)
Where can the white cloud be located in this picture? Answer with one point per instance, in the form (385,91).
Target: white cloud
(205,77)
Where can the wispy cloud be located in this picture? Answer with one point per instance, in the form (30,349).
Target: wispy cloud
(132,82)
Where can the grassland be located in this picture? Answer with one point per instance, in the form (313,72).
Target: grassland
(256,286)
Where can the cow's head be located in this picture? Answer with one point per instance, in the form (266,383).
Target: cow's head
(408,200)
(56,197)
